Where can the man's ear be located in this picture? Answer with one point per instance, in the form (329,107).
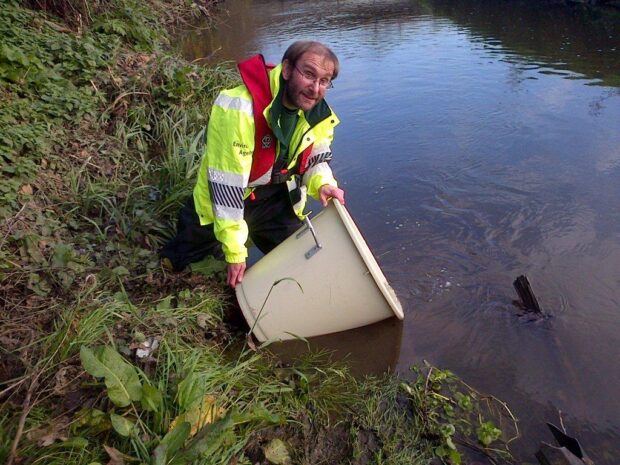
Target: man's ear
(287,70)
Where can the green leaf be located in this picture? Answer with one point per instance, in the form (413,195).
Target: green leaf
(207,441)
(74,443)
(189,391)
(151,398)
(259,413)
(208,267)
(90,417)
(121,378)
(38,285)
(30,243)
(122,425)
(120,271)
(454,456)
(165,303)
(171,443)
(62,255)
(464,401)
(487,433)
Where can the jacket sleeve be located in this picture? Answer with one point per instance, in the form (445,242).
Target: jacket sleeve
(225,170)
(318,172)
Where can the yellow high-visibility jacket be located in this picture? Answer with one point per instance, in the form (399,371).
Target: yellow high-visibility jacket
(225,168)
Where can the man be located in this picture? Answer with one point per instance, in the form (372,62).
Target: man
(268,146)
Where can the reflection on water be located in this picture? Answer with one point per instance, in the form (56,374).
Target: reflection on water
(377,354)
(479,141)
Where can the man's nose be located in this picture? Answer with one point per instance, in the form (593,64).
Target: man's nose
(316,86)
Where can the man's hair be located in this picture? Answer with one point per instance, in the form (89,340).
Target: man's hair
(297,49)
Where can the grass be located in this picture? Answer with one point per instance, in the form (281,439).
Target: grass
(101,134)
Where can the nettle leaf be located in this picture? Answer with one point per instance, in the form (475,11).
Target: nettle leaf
(121,378)
(120,271)
(30,243)
(38,285)
(122,425)
(63,254)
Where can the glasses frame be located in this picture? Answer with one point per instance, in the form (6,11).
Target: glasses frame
(313,80)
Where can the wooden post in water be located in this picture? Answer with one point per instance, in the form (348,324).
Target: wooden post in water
(527,299)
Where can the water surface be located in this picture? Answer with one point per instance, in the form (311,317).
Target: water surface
(480,140)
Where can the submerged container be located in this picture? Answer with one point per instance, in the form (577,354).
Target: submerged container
(327,281)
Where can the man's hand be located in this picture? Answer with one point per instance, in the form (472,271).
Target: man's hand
(326,192)
(235,273)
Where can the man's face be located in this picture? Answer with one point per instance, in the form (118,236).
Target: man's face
(306,81)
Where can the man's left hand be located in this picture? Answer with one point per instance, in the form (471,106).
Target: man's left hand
(326,192)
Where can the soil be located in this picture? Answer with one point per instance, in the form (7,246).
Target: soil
(309,444)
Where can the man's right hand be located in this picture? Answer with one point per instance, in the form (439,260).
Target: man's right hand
(235,273)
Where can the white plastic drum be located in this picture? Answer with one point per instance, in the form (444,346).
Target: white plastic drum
(334,287)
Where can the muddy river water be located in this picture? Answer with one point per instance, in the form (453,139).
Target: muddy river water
(480,140)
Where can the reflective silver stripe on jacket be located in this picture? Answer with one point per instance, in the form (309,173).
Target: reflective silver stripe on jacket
(322,168)
(319,158)
(234,103)
(264,179)
(226,194)
(320,153)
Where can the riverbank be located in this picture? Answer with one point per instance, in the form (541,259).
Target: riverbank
(105,357)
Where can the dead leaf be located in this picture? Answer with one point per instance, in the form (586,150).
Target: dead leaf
(143,58)
(202,414)
(26,189)
(202,320)
(9,342)
(116,456)
(276,452)
(65,377)
(48,435)
(250,342)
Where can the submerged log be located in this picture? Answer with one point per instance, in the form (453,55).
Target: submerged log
(527,299)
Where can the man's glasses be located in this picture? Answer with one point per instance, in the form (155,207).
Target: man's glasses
(324,83)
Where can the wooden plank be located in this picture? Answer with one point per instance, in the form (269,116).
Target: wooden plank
(527,299)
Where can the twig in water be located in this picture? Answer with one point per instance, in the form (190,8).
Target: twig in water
(196,60)
(561,421)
